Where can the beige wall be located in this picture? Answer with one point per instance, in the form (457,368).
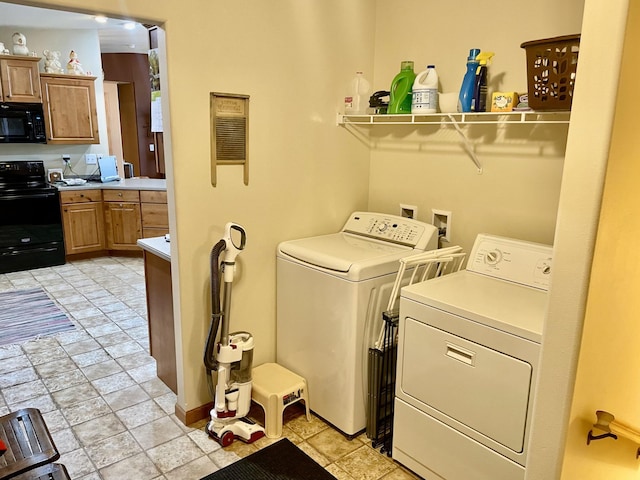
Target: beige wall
(306,175)
(608,368)
(517,193)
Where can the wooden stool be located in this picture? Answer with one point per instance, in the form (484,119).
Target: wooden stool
(274,388)
(29,447)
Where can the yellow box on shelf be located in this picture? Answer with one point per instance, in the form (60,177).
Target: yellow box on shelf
(503,101)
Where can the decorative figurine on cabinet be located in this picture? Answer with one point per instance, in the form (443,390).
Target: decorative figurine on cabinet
(52,62)
(74,67)
(19,44)
(3,51)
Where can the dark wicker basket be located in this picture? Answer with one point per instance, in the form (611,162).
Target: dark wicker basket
(551,71)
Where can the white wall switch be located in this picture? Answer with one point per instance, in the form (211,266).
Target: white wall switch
(91,158)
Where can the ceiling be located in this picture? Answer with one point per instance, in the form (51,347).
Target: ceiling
(114,38)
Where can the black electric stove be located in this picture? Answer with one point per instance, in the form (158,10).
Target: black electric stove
(30,219)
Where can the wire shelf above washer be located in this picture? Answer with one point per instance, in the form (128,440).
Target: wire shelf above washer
(468,118)
(456,120)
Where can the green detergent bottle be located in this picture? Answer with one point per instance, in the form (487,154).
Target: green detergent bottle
(400,91)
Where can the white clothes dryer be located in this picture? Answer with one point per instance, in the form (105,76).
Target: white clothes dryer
(468,349)
(328,288)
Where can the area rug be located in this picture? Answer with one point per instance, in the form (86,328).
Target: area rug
(28,314)
(280,461)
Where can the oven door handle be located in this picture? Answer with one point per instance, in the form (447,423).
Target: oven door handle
(27,197)
(30,251)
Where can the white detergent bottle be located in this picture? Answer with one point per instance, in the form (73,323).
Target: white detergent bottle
(356,101)
(425,92)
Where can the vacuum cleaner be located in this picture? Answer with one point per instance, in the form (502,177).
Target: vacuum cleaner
(231,357)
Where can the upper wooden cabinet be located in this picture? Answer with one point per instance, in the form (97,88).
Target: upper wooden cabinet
(19,79)
(69,103)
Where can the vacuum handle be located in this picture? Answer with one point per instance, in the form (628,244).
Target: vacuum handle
(243,236)
(232,249)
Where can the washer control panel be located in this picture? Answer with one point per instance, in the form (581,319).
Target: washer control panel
(390,228)
(517,261)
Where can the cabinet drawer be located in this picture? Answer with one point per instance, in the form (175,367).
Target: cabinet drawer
(121,195)
(153,196)
(79,196)
(154,215)
(150,232)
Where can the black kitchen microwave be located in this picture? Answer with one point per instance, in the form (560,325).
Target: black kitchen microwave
(22,123)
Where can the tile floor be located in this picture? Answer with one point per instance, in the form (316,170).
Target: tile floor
(110,416)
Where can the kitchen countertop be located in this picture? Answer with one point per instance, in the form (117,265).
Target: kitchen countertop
(124,184)
(157,246)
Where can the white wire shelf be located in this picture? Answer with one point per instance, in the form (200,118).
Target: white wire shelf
(457,120)
(470,118)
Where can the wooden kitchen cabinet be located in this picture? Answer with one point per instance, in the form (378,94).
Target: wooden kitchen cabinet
(69,103)
(122,219)
(83,221)
(155,217)
(20,79)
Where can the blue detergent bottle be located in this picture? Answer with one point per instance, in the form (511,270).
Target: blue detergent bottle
(401,88)
(465,98)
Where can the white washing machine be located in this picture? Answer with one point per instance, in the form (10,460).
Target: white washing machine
(468,351)
(328,288)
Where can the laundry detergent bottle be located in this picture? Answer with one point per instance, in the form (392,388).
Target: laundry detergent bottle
(401,87)
(465,99)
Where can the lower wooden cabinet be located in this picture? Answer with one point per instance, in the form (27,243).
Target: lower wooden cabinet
(155,217)
(83,221)
(157,274)
(95,220)
(122,219)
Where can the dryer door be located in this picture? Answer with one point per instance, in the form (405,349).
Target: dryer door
(481,388)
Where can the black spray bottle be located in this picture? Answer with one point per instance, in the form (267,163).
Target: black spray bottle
(479,103)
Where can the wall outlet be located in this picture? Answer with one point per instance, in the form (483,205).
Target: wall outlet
(66,158)
(91,158)
(441,219)
(408,211)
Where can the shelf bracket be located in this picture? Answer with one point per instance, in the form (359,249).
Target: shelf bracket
(467,145)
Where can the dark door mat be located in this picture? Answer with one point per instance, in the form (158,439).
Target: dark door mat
(280,461)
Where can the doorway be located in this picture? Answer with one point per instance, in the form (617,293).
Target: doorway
(130,106)
(122,125)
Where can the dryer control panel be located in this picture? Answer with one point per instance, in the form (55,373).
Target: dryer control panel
(391,228)
(516,261)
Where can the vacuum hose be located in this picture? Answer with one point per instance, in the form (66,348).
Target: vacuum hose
(216,312)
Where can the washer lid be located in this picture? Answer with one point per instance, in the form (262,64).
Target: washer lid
(340,251)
